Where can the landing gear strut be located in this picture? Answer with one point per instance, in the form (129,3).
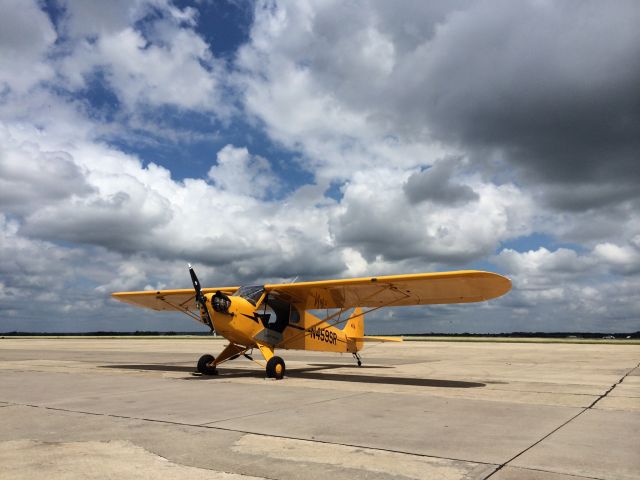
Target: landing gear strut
(357,357)
(203,365)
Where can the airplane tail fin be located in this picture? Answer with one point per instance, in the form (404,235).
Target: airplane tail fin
(355,325)
(354,328)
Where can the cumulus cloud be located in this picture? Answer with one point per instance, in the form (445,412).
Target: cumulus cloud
(587,196)
(237,170)
(168,64)
(33,276)
(532,83)
(130,226)
(26,35)
(116,221)
(123,206)
(30,176)
(45,286)
(84,19)
(623,259)
(572,122)
(376,217)
(297,74)
(563,290)
(541,267)
(436,185)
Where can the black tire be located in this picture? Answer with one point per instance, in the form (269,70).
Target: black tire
(275,368)
(203,368)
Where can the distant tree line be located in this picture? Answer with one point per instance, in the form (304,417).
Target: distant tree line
(100,334)
(430,334)
(530,335)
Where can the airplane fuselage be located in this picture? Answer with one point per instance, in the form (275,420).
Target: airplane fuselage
(243,324)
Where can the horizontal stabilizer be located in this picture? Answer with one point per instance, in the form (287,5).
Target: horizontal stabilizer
(372,338)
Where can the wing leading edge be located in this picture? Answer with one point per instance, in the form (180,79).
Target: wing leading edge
(180,300)
(463,286)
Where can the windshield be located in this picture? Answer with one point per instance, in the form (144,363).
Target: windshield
(252,293)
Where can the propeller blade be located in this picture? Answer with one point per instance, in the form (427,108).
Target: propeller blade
(200,298)
(196,283)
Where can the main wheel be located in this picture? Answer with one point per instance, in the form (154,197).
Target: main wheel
(275,368)
(205,369)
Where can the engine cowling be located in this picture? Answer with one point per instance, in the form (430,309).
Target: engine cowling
(234,317)
(220,302)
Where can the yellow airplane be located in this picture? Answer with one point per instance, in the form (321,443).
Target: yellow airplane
(267,317)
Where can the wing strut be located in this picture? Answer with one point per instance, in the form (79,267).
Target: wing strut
(342,310)
(181,309)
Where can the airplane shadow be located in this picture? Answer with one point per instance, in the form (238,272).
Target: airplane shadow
(151,367)
(309,373)
(418,382)
(363,367)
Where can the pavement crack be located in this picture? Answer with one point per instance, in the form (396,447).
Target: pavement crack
(613,386)
(600,397)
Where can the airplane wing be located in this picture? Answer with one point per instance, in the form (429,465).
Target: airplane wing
(181,300)
(462,286)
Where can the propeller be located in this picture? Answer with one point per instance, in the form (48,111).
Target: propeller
(200,298)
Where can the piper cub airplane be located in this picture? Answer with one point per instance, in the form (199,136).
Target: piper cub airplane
(266,317)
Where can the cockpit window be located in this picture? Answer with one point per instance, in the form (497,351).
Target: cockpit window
(252,293)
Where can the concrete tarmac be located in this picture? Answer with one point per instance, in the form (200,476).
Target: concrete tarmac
(133,408)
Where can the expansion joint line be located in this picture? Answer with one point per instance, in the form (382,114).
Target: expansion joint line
(246,432)
(501,466)
(212,424)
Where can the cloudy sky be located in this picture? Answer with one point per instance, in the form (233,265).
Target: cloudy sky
(270,141)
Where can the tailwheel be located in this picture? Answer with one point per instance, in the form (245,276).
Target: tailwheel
(203,365)
(357,357)
(275,368)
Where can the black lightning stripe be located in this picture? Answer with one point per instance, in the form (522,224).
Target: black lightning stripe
(253,317)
